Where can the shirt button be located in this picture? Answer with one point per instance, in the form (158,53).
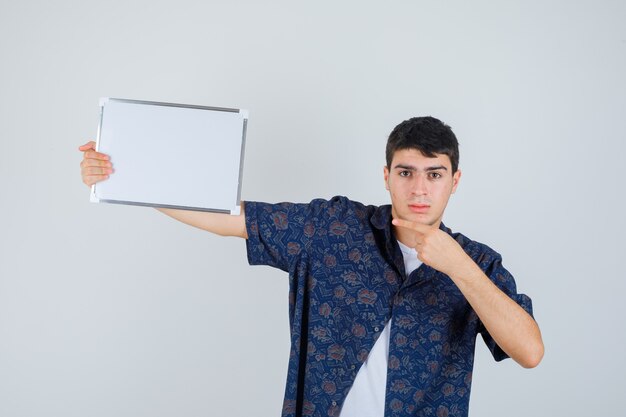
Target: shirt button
(376,329)
(334,403)
(352,367)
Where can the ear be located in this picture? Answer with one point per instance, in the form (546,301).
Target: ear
(386,176)
(455,180)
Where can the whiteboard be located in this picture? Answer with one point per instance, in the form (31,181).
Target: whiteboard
(171,155)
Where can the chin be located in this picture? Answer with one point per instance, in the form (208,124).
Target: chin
(417,218)
(424,219)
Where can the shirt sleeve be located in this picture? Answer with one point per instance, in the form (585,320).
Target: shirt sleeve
(278,234)
(505,281)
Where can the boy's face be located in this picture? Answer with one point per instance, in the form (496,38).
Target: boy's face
(420,186)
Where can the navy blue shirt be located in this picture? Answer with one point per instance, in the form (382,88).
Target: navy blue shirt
(346,280)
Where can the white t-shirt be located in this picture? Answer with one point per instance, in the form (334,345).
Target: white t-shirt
(367,395)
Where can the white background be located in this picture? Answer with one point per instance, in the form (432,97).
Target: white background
(120,311)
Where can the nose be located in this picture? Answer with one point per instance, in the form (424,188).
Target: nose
(419,185)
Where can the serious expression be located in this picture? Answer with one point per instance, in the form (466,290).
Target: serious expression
(420,186)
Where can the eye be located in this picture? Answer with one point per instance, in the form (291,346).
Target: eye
(434,175)
(404,173)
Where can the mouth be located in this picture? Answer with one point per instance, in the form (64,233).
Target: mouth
(419,208)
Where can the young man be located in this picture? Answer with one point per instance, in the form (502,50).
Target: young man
(385,302)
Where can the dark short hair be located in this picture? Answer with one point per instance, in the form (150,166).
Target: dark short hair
(428,135)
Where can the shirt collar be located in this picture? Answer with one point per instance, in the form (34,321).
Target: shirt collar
(381,218)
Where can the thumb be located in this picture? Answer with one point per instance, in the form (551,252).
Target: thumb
(87,146)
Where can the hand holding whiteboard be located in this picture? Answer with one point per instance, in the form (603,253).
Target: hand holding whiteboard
(172,155)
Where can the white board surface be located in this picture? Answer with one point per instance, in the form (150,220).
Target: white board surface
(171,155)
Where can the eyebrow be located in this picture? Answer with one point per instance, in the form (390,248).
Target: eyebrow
(412,168)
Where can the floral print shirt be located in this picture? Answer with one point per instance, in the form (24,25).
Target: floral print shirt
(346,280)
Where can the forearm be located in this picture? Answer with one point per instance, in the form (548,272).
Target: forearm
(219,223)
(513,329)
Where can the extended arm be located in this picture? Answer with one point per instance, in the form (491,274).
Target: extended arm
(96,167)
(513,329)
(219,223)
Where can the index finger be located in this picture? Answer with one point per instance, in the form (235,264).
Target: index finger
(417,227)
(96,155)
